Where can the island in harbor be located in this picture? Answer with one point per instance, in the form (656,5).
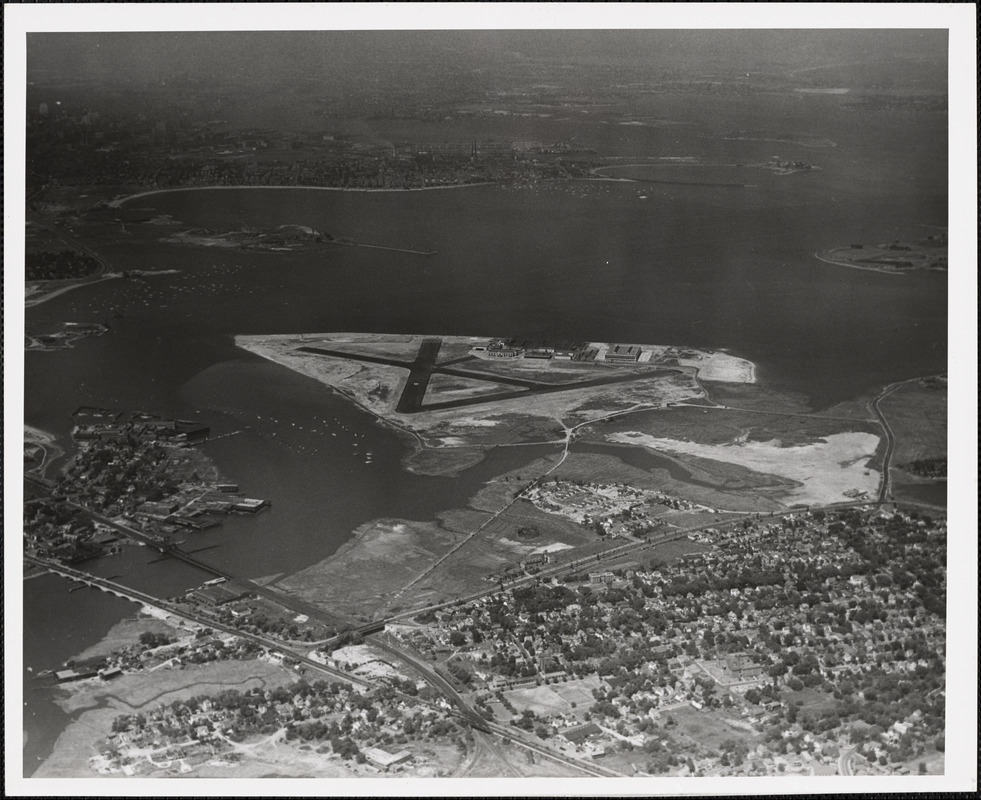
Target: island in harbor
(281,239)
(896,257)
(64,336)
(287,238)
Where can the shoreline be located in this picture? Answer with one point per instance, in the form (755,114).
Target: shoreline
(118,202)
(48,443)
(819,257)
(38,436)
(93,707)
(415,442)
(31,302)
(36,301)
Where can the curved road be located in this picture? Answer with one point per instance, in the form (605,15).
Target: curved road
(885,488)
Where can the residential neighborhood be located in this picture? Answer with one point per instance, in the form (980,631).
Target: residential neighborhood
(794,638)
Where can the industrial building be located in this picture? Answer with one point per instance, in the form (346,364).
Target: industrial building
(249,505)
(384,759)
(580,733)
(217,595)
(623,353)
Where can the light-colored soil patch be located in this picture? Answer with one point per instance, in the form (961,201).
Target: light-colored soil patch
(368,662)
(281,760)
(825,470)
(723,426)
(721,367)
(477,422)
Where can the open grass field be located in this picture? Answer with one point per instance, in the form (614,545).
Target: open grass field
(497,546)
(917,414)
(672,475)
(813,701)
(384,556)
(708,729)
(574,696)
(672,551)
(601,468)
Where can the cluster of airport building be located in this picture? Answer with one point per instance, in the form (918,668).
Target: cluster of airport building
(567,350)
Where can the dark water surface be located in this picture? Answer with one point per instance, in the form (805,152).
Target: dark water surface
(702,266)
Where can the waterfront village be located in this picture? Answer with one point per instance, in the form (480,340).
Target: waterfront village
(782,645)
(141,469)
(377,727)
(374,728)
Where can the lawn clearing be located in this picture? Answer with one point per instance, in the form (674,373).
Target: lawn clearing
(709,729)
(556,699)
